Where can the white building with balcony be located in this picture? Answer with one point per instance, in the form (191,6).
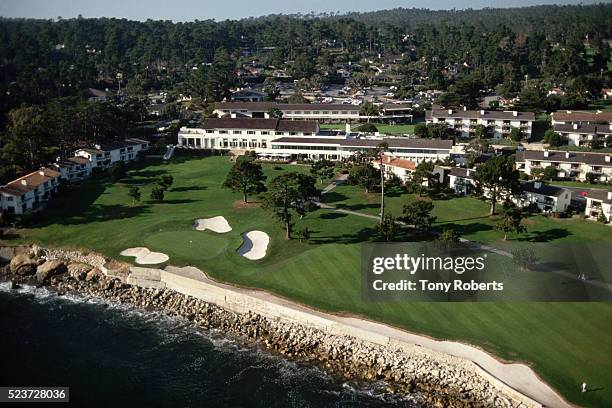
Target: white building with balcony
(599,202)
(29,193)
(104,156)
(73,168)
(548,199)
(499,124)
(569,165)
(583,134)
(461,180)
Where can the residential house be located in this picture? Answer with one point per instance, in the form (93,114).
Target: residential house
(499,123)
(104,156)
(95,95)
(599,202)
(402,168)
(461,180)
(569,165)
(29,193)
(548,199)
(247,95)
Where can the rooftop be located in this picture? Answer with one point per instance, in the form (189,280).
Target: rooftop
(397,142)
(438,112)
(583,128)
(29,182)
(581,116)
(262,124)
(538,187)
(595,159)
(266,106)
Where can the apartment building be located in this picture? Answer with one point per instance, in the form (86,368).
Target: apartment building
(73,168)
(322,112)
(461,180)
(570,165)
(599,202)
(29,193)
(571,117)
(583,134)
(499,123)
(104,156)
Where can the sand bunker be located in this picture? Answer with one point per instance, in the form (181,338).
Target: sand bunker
(215,224)
(145,257)
(255,245)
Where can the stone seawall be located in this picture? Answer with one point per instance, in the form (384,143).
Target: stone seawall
(349,347)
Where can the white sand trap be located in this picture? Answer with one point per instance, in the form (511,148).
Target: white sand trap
(216,224)
(144,256)
(255,245)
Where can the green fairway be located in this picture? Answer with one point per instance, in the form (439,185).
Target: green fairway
(566,343)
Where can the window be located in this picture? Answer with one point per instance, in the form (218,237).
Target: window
(237,132)
(251,132)
(209,131)
(223,132)
(278,133)
(265,132)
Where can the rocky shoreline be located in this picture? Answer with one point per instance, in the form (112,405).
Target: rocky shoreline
(436,382)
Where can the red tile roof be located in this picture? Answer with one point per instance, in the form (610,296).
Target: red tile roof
(29,182)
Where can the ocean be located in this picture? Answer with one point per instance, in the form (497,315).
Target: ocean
(116,355)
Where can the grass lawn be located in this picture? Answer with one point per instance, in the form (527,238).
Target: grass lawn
(566,343)
(382,127)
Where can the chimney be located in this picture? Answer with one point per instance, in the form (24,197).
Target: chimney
(515,113)
(41,172)
(24,182)
(537,185)
(609,195)
(608,158)
(482,112)
(575,126)
(450,111)
(465,108)
(567,155)
(347,128)
(546,153)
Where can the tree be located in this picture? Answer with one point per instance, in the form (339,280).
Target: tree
(421,177)
(417,214)
(288,193)
(549,173)
(591,178)
(166,181)
(380,150)
(497,175)
(275,113)
(117,171)
(516,134)
(322,169)
(448,236)
(476,148)
(481,132)
(157,193)
(511,222)
(609,141)
(134,192)
(388,227)
(554,140)
(602,218)
(303,234)
(524,258)
(439,131)
(420,130)
(247,177)
(303,66)
(369,110)
(364,175)
(367,128)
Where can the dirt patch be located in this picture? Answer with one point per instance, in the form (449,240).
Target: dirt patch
(240,204)
(370,197)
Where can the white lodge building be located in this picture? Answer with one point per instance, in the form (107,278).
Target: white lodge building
(572,165)
(499,123)
(29,193)
(579,134)
(293,139)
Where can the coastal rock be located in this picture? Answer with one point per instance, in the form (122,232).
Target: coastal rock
(23,264)
(48,269)
(93,275)
(79,270)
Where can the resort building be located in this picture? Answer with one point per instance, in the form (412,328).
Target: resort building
(571,117)
(548,199)
(599,202)
(294,139)
(104,156)
(569,165)
(499,123)
(583,134)
(461,180)
(73,168)
(402,168)
(29,193)
(323,112)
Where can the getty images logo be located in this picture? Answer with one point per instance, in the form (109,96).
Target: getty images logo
(413,264)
